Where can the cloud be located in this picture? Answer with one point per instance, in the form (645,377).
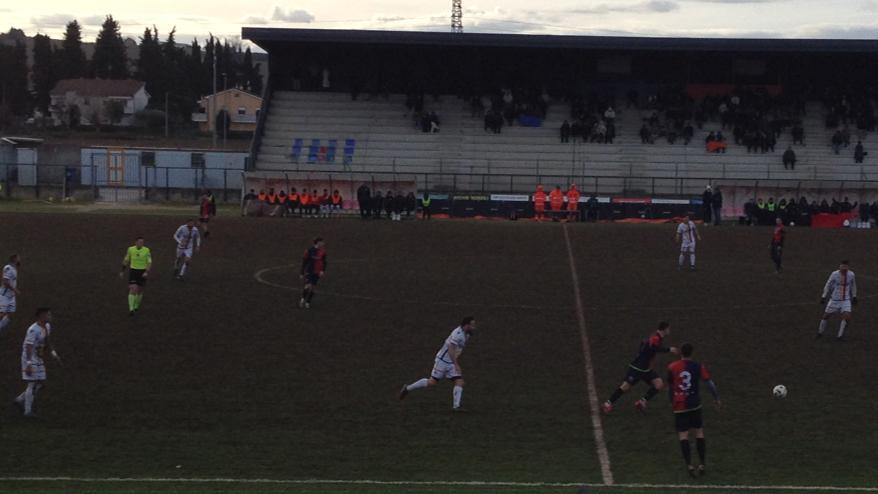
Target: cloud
(51,20)
(294,16)
(650,6)
(839,31)
(869,5)
(92,20)
(258,21)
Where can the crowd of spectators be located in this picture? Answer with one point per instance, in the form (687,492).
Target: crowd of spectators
(594,119)
(508,106)
(764,211)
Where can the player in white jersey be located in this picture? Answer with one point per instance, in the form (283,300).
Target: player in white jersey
(188,242)
(8,291)
(33,364)
(447,363)
(841,288)
(687,235)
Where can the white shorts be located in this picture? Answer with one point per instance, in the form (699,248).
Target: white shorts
(836,306)
(187,252)
(444,370)
(38,370)
(687,247)
(7,304)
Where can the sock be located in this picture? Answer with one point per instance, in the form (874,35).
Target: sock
(137,300)
(420,383)
(130,301)
(650,393)
(687,453)
(682,259)
(616,395)
(183,268)
(842,327)
(822,327)
(457,393)
(692,260)
(701,446)
(4,322)
(29,398)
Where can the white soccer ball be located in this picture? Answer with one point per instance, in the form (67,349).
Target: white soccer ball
(792,223)
(779,391)
(847,223)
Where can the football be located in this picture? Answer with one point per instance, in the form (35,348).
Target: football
(779,391)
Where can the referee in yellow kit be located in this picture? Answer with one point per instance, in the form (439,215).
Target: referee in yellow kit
(138,260)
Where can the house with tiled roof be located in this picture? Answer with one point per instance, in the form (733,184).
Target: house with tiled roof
(97,101)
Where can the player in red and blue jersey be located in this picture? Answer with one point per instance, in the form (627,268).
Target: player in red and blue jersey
(313,268)
(640,369)
(684,377)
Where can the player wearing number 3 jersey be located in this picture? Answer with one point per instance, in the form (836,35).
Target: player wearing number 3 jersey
(684,377)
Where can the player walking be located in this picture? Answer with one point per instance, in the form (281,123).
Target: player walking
(9,291)
(841,288)
(33,365)
(687,234)
(640,369)
(313,268)
(684,377)
(138,260)
(206,209)
(188,242)
(777,239)
(447,363)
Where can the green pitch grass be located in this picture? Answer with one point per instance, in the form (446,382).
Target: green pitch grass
(226,377)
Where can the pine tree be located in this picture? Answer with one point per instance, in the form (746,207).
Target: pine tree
(72,62)
(150,64)
(251,79)
(110,60)
(209,56)
(43,72)
(14,95)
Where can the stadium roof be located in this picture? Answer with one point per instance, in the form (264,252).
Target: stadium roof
(269,37)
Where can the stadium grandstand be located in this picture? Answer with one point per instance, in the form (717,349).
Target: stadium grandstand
(484,112)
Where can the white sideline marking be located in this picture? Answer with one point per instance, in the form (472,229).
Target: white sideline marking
(451,483)
(593,403)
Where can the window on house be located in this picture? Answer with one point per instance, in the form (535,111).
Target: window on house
(242,110)
(147,158)
(197,160)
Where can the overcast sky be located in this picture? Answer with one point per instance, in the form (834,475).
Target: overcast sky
(707,18)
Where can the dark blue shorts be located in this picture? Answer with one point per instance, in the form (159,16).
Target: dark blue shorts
(312,278)
(633,376)
(685,421)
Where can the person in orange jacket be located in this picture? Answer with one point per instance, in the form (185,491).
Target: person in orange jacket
(573,203)
(556,199)
(540,203)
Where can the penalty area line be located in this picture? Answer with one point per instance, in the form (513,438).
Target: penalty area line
(450,483)
(593,403)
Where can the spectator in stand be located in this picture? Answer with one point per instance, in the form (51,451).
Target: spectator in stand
(611,133)
(645,134)
(798,133)
(249,198)
(573,203)
(565,131)
(377,203)
(610,115)
(539,204)
(706,205)
(837,141)
(789,159)
(688,133)
(434,122)
(599,132)
(556,200)
(859,153)
(717,202)
(389,204)
(336,203)
(411,204)
(324,204)
(364,197)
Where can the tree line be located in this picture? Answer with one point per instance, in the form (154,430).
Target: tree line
(182,75)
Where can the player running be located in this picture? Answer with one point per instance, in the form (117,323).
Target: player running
(777,239)
(206,209)
(313,268)
(684,377)
(33,365)
(640,369)
(841,288)
(9,291)
(138,260)
(447,363)
(687,234)
(188,242)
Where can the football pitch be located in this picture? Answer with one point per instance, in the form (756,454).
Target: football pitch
(224,377)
